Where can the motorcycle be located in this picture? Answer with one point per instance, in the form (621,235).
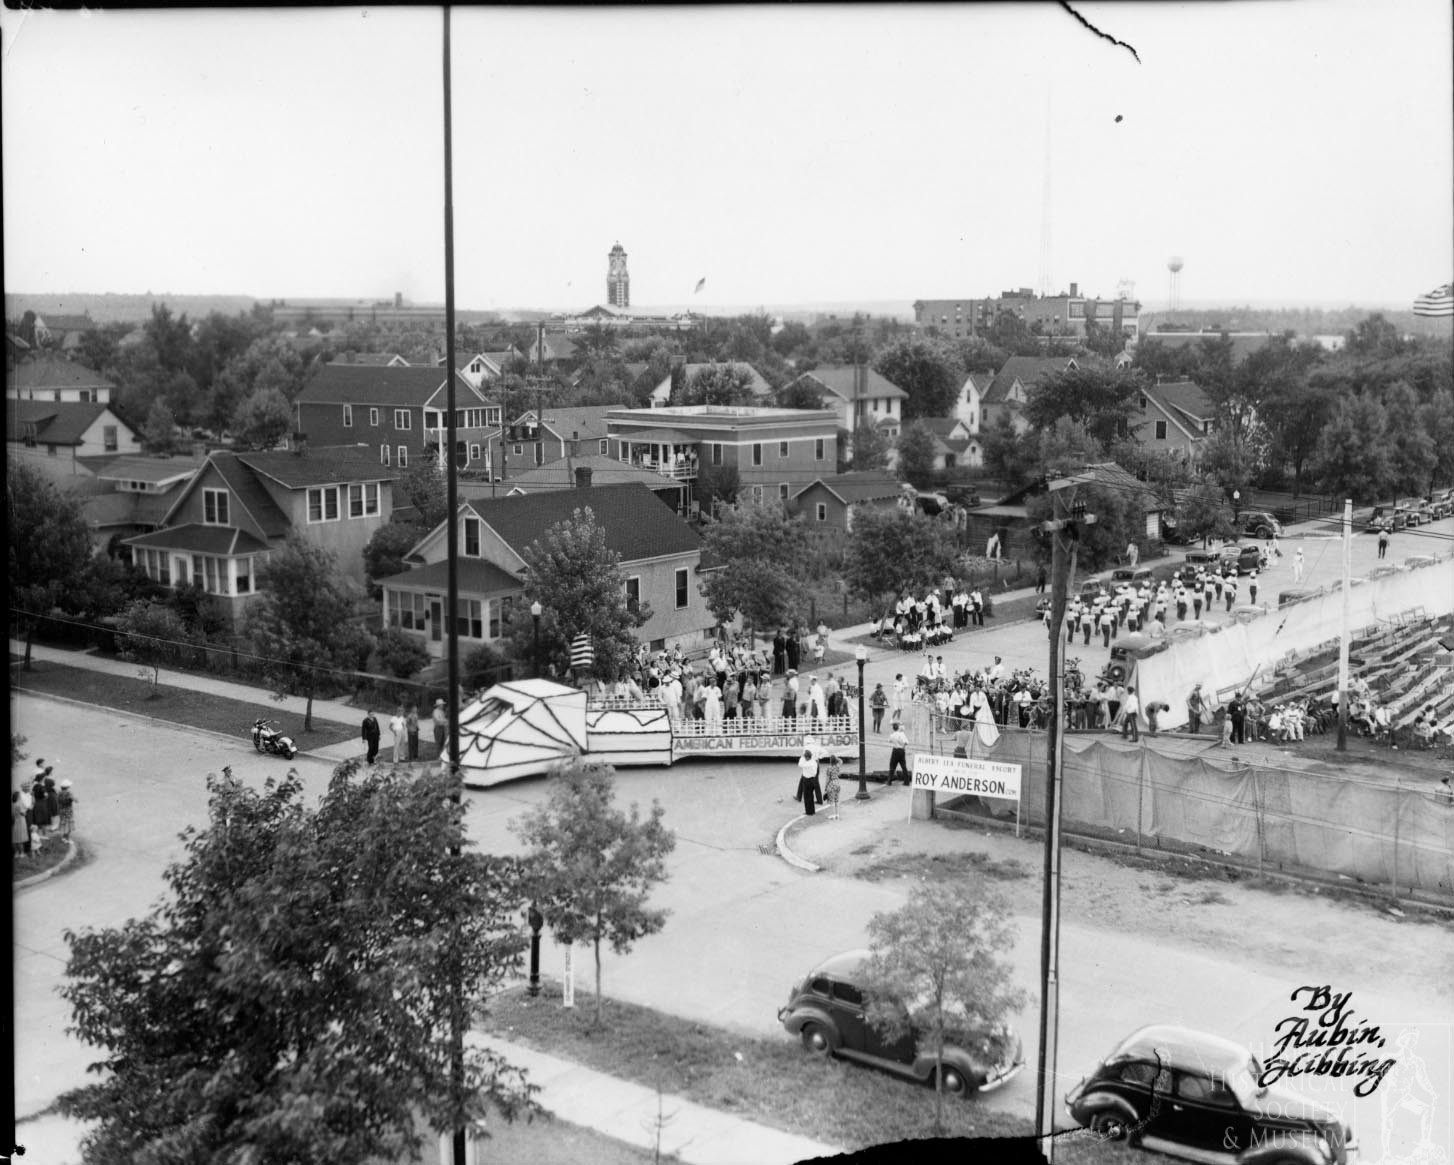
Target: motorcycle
(266,738)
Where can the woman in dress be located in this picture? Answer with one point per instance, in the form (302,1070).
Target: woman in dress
(833,789)
(67,801)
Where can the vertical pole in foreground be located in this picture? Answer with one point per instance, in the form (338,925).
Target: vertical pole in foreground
(1344,631)
(1050,892)
(456,1025)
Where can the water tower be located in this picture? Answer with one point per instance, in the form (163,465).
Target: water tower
(1174,266)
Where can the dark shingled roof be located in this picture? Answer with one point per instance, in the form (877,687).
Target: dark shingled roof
(1029,370)
(199,539)
(250,494)
(54,372)
(476,577)
(637,522)
(54,422)
(839,380)
(857,487)
(325,465)
(363,384)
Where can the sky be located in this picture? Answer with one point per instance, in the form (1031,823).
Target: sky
(1289,151)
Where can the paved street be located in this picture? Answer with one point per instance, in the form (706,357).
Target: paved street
(743,925)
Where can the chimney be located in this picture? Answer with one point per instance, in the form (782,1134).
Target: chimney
(583,477)
(1074,290)
(398,300)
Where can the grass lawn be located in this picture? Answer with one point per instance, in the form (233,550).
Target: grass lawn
(54,852)
(178,705)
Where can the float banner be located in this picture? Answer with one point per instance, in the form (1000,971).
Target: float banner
(777,743)
(971,778)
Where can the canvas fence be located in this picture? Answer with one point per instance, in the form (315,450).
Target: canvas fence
(1396,834)
(1229,657)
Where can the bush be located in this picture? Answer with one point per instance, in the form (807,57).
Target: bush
(482,668)
(401,655)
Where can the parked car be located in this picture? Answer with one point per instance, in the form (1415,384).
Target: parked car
(828,1012)
(1442,503)
(1383,518)
(1091,587)
(1248,558)
(1135,575)
(1196,1096)
(1260,524)
(1413,514)
(1196,558)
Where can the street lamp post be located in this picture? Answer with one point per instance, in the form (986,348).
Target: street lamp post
(537,920)
(1236,506)
(860,656)
(535,610)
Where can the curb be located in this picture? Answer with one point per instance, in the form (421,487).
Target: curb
(36,879)
(787,854)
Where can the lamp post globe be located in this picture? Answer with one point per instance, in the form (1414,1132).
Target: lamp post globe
(860,656)
(535,610)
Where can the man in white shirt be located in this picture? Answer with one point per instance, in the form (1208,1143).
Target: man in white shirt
(1130,727)
(898,755)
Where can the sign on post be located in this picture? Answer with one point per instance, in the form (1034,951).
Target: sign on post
(568,998)
(967,777)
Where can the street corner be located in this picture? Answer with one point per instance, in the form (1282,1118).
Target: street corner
(823,839)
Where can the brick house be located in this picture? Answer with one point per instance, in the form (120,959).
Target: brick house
(398,412)
(239,507)
(660,556)
(774,451)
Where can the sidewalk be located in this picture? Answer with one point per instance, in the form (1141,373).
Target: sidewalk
(628,1112)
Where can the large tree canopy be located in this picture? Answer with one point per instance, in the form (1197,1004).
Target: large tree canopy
(292,997)
(50,544)
(1101,401)
(753,551)
(892,550)
(927,370)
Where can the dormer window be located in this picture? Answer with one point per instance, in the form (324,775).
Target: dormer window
(214,507)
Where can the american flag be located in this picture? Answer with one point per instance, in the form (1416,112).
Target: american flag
(1439,302)
(701,283)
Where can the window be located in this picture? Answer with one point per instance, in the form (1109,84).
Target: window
(517,450)
(716,453)
(757,494)
(846,993)
(323,504)
(604,446)
(1161,430)
(470,620)
(348,416)
(492,416)
(818,449)
(474,453)
(355,501)
(214,507)
(822,511)
(681,579)
(374,418)
(403,419)
(1142,1074)
(244,576)
(109,438)
(50,450)
(494,617)
(433,419)
(782,491)
(406,610)
(633,593)
(371,497)
(782,450)
(403,459)
(757,453)
(472,537)
(383,455)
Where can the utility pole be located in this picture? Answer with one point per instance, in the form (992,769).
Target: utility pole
(1064,534)
(1345,630)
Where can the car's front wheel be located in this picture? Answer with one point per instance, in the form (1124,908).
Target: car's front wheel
(1110,1125)
(1264,531)
(955,1083)
(816,1039)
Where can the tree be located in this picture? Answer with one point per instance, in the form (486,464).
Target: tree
(99,346)
(1374,336)
(799,394)
(182,396)
(577,578)
(916,455)
(293,995)
(159,433)
(591,866)
(718,384)
(1411,452)
(263,419)
(870,446)
(384,554)
(791,337)
(755,550)
(717,484)
(1294,415)
(50,545)
(939,969)
(301,621)
(1008,454)
(1065,447)
(1202,512)
(1351,460)
(151,634)
(424,487)
(170,336)
(1437,420)
(1009,333)
(1099,401)
(1120,517)
(268,362)
(892,550)
(599,340)
(977,354)
(925,369)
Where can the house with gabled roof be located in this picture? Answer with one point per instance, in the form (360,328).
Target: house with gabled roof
(660,556)
(859,396)
(550,347)
(833,500)
(64,330)
(372,359)
(239,507)
(1010,388)
(954,446)
(1174,417)
(130,494)
(48,377)
(580,471)
(398,412)
(58,436)
(969,404)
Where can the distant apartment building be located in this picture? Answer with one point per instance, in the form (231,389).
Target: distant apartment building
(1051,315)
